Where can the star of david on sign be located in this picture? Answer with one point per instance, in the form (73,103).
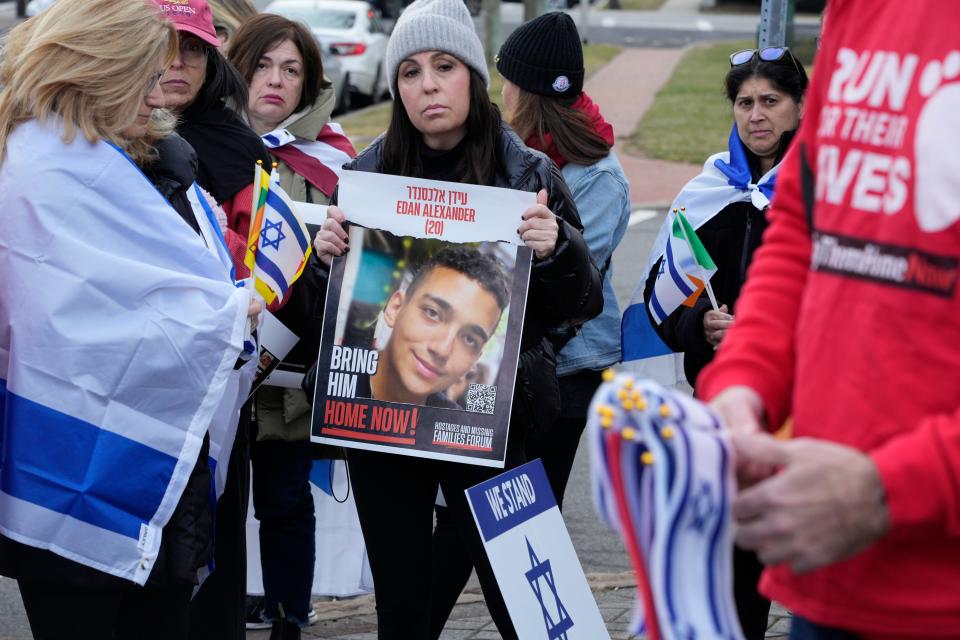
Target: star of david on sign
(540,571)
(271,226)
(702,507)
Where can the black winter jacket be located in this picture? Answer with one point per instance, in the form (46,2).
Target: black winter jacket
(565,289)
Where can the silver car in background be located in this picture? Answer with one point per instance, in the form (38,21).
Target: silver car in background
(353,32)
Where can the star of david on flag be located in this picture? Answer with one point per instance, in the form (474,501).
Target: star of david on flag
(540,572)
(268,226)
(278,243)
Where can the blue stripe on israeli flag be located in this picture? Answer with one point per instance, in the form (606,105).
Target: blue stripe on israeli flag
(670,574)
(210,226)
(266,267)
(54,454)
(715,548)
(657,307)
(277,203)
(678,279)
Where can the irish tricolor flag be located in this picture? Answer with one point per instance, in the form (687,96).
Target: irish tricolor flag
(685,270)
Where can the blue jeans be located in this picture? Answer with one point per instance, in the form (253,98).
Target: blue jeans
(803,629)
(284,506)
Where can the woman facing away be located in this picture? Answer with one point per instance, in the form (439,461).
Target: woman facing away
(444,127)
(289,106)
(94,325)
(542,68)
(726,205)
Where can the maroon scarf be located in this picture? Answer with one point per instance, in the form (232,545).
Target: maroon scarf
(584,104)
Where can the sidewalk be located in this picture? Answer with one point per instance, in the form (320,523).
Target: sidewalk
(355,619)
(624,89)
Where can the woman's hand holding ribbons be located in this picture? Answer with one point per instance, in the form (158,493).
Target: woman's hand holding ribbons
(331,240)
(539,229)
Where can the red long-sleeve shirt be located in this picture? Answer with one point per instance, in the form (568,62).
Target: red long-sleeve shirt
(852,324)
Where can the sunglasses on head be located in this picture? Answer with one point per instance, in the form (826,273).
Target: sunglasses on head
(767,54)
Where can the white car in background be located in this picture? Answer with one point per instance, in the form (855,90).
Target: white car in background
(333,71)
(36,6)
(351,30)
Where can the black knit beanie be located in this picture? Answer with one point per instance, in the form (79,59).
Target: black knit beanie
(544,56)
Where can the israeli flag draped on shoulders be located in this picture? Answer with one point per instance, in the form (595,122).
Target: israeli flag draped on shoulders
(725,179)
(119,332)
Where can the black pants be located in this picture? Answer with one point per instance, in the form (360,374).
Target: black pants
(124,612)
(395,497)
(803,629)
(558,448)
(283,504)
(218,611)
(752,608)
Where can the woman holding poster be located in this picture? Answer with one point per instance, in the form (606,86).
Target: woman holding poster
(542,68)
(444,127)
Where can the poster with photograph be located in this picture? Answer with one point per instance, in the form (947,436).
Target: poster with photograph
(423,318)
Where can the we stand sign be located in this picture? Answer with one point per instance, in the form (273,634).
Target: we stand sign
(533,558)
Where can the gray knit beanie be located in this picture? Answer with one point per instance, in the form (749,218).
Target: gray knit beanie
(435,25)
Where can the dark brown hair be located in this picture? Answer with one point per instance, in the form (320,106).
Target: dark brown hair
(572,130)
(261,33)
(401,144)
(786,75)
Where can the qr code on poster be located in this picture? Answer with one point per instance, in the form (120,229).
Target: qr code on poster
(481,398)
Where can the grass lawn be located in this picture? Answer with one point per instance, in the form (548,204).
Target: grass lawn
(641,5)
(691,117)
(365,125)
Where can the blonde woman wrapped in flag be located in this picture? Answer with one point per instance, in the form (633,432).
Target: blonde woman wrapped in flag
(121,331)
(725,206)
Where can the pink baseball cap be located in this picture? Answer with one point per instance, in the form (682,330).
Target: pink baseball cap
(192,16)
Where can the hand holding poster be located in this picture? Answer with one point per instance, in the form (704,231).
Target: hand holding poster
(421,330)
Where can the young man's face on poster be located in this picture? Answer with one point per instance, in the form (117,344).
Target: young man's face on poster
(438,333)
